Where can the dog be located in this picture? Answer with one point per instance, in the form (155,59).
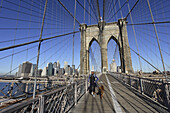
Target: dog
(101,91)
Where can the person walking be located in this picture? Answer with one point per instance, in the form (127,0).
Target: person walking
(93,83)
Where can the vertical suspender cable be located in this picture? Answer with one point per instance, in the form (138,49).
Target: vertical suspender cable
(98,8)
(74,32)
(157,39)
(141,83)
(13,48)
(40,39)
(36,68)
(29,28)
(84,10)
(120,9)
(115,9)
(135,37)
(103,10)
(15,37)
(166,86)
(89,15)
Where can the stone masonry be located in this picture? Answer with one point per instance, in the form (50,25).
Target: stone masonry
(102,34)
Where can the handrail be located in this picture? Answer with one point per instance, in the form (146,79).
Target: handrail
(156,90)
(18,106)
(45,100)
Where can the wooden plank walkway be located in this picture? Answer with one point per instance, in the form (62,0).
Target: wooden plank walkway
(123,100)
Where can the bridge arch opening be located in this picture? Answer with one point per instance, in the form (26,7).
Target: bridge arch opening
(94,55)
(113,55)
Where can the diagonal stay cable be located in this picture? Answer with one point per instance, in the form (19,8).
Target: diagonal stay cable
(24,38)
(34,58)
(113,8)
(117,11)
(109,8)
(103,10)
(86,10)
(148,34)
(30,48)
(132,9)
(68,11)
(144,59)
(35,41)
(92,9)
(98,9)
(59,49)
(162,22)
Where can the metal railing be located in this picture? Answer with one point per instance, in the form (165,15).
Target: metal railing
(157,90)
(57,101)
(16,88)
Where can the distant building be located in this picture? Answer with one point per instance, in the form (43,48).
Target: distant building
(92,69)
(32,72)
(55,65)
(76,72)
(26,68)
(50,69)
(68,70)
(45,71)
(65,64)
(56,71)
(19,70)
(73,68)
(39,72)
(113,66)
(58,64)
(61,71)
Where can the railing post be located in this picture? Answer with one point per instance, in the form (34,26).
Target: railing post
(166,96)
(141,85)
(41,108)
(86,82)
(122,78)
(130,81)
(75,93)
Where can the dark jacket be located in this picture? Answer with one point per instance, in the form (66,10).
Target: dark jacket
(93,79)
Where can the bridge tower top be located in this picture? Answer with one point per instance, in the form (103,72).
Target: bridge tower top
(102,33)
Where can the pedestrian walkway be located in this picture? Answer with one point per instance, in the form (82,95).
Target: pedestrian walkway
(117,98)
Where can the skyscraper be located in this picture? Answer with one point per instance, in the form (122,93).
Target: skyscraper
(32,72)
(73,69)
(55,65)
(61,71)
(39,72)
(19,70)
(58,64)
(113,66)
(26,68)
(92,68)
(66,70)
(70,71)
(50,69)
(65,64)
(44,72)
(56,68)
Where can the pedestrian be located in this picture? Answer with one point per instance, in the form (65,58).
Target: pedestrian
(93,83)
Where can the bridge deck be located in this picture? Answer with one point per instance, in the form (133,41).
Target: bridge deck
(117,98)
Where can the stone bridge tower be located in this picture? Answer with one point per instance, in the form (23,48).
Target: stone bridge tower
(102,34)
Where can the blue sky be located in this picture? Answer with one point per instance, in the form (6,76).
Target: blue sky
(26,16)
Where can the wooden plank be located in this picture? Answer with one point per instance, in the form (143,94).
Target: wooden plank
(128,101)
